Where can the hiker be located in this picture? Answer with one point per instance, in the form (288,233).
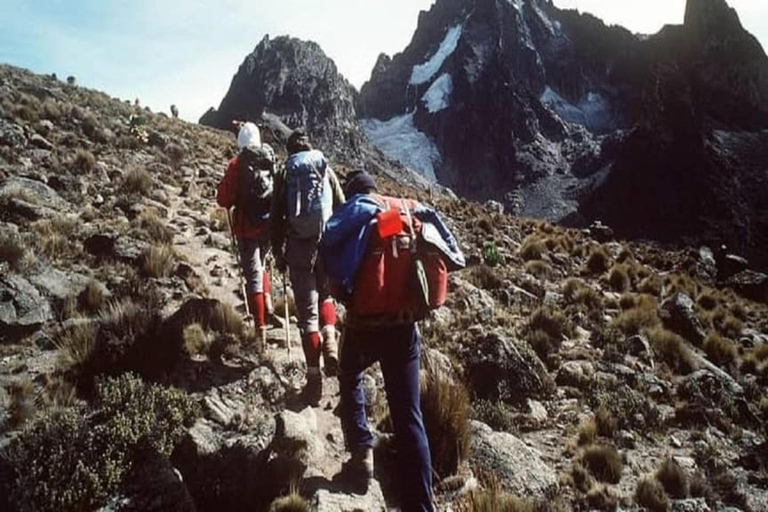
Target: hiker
(247,186)
(306,193)
(371,247)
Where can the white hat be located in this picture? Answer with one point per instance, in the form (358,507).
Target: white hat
(248,137)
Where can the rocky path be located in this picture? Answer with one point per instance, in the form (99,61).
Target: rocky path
(208,252)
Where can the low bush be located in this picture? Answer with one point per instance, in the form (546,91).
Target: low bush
(491,254)
(445,407)
(604,463)
(71,461)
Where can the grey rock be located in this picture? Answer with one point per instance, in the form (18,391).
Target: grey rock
(537,412)
(41,142)
(438,364)
(750,284)
(690,505)
(218,241)
(750,338)
(33,191)
(518,467)
(59,285)
(295,442)
(129,249)
(22,309)
(500,369)
(679,315)
(494,206)
(575,373)
(331,501)
(11,135)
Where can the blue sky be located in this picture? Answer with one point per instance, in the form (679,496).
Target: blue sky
(186,52)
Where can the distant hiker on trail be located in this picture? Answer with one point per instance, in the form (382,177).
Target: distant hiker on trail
(388,259)
(306,193)
(247,186)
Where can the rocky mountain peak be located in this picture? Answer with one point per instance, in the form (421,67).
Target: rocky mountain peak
(296,82)
(711,15)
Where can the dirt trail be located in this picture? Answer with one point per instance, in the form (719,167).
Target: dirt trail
(208,252)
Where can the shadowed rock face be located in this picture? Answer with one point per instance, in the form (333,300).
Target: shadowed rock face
(660,136)
(298,83)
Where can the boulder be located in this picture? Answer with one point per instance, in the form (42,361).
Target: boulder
(750,284)
(690,505)
(679,315)
(22,309)
(295,443)
(499,368)
(11,135)
(326,500)
(153,484)
(41,142)
(59,285)
(519,468)
(32,191)
(576,374)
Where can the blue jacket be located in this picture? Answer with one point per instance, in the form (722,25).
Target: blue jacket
(345,238)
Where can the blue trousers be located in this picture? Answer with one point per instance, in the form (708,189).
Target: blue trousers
(397,349)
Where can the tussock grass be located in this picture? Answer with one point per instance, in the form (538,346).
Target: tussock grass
(153,227)
(54,237)
(83,162)
(634,321)
(11,250)
(19,402)
(196,340)
(605,422)
(604,463)
(92,298)
(618,278)
(587,432)
(673,478)
(576,291)
(650,494)
(77,343)
(485,277)
(546,329)
(598,261)
(445,407)
(293,502)
(496,500)
(158,261)
(136,180)
(539,269)
(720,350)
(533,248)
(672,349)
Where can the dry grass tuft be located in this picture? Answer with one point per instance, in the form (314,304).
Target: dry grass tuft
(618,278)
(83,162)
(92,298)
(445,407)
(137,180)
(485,277)
(77,342)
(153,227)
(672,349)
(55,237)
(533,248)
(19,402)
(539,269)
(587,432)
(598,261)
(673,478)
(293,502)
(196,340)
(158,261)
(546,329)
(11,250)
(643,316)
(604,463)
(650,494)
(605,422)
(720,350)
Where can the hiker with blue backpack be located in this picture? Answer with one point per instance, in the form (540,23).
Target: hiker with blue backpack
(387,258)
(306,192)
(247,188)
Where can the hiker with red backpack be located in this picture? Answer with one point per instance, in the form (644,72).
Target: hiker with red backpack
(307,192)
(387,259)
(247,187)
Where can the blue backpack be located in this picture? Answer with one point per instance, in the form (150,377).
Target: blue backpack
(308,194)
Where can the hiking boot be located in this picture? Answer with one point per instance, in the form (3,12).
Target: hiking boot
(313,389)
(361,462)
(330,350)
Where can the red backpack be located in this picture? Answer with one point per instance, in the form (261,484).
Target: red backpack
(401,276)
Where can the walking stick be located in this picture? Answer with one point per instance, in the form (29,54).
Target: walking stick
(235,248)
(287,319)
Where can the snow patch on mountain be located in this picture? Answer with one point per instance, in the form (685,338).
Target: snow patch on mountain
(399,139)
(517,4)
(423,73)
(438,96)
(593,111)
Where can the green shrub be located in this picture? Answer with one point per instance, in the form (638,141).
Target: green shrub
(69,461)
(491,254)
(445,407)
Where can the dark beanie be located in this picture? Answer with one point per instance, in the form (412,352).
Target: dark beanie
(297,142)
(359,182)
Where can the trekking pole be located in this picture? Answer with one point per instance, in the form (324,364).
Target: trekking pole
(287,319)
(235,248)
